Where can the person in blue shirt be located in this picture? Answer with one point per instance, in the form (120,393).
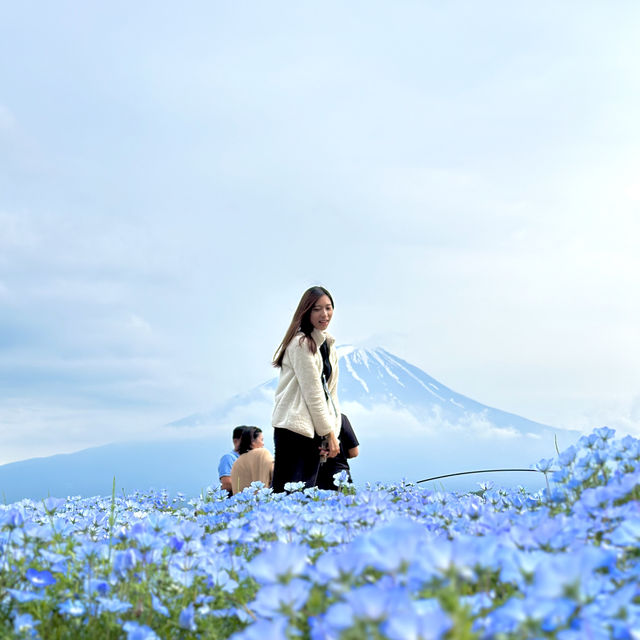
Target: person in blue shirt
(227,460)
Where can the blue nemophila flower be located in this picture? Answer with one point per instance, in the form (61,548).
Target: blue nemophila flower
(275,629)
(157,605)
(477,602)
(57,562)
(369,602)
(571,634)
(341,479)
(25,596)
(294,486)
(189,531)
(338,617)
(422,620)
(333,566)
(12,519)
(321,630)
(584,462)
(137,631)
(441,556)
(241,614)
(187,618)
(553,614)
(216,494)
(223,580)
(589,442)
(125,560)
(97,585)
(593,629)
(544,465)
(573,574)
(25,625)
(518,567)
(561,475)
(159,522)
(229,535)
(549,613)
(390,546)
(281,561)
(274,599)
(616,606)
(598,497)
(553,532)
(145,537)
(182,569)
(112,605)
(90,551)
(51,505)
(604,433)
(72,608)
(627,483)
(40,578)
(627,533)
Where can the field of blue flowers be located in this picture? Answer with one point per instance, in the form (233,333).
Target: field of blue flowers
(400,562)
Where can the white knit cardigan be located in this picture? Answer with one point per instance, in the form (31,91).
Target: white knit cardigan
(301,405)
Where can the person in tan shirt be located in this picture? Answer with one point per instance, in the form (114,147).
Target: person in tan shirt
(255,462)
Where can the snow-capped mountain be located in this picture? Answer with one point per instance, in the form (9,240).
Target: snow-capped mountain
(372,380)
(376,377)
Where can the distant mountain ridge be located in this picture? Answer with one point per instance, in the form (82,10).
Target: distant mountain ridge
(373,378)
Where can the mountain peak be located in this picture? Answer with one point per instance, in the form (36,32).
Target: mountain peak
(353,350)
(345,349)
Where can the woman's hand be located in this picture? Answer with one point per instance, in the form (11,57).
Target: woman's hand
(334,445)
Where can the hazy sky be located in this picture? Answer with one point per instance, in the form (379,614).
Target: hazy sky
(464,177)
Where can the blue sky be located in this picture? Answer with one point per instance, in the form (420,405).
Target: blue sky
(464,178)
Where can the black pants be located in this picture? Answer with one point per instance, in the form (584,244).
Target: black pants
(339,463)
(326,473)
(297,459)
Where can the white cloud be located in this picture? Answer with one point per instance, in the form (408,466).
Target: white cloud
(618,411)
(382,421)
(29,429)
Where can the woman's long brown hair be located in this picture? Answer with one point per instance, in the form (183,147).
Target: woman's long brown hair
(301,322)
(248,436)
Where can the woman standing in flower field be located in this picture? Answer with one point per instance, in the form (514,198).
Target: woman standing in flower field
(306,416)
(255,463)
